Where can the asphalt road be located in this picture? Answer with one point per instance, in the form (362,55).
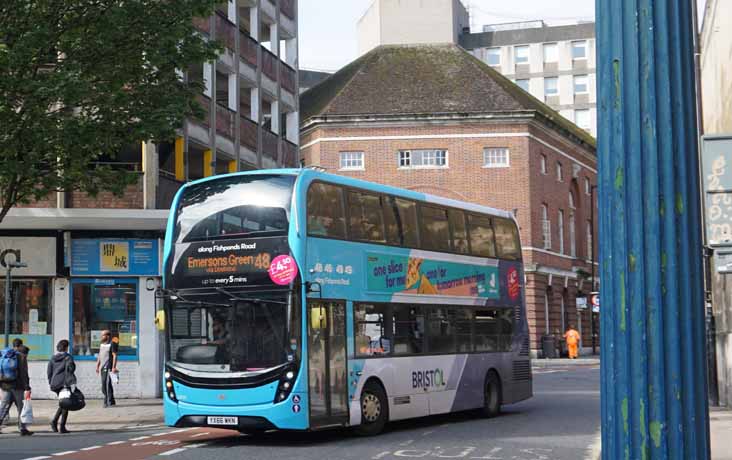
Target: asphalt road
(561,421)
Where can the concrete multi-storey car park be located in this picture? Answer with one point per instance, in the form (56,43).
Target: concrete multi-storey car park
(70,289)
(434,119)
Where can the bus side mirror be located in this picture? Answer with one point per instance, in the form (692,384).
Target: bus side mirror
(160,320)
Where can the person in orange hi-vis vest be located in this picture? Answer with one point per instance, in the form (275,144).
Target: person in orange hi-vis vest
(573,338)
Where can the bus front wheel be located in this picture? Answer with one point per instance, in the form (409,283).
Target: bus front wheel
(492,395)
(374,409)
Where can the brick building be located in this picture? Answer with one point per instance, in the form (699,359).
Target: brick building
(435,119)
(94,262)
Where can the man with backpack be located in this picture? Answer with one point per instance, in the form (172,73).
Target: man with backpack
(14,382)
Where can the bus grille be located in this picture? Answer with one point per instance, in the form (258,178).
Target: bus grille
(524,351)
(521,370)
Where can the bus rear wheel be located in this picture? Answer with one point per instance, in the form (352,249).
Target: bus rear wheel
(374,410)
(492,395)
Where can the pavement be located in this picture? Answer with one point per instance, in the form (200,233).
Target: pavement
(720,427)
(126,413)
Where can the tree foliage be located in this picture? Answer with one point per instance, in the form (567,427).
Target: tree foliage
(82,79)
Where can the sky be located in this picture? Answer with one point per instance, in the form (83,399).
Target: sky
(328,27)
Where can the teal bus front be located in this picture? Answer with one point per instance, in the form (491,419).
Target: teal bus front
(232,295)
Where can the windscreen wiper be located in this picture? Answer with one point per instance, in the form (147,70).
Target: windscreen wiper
(248,299)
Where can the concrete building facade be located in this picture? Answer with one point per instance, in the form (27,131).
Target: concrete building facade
(483,141)
(555,64)
(95,263)
(398,22)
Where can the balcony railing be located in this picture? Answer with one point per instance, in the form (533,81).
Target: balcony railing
(269,64)
(248,133)
(225,31)
(167,188)
(205,104)
(225,121)
(287,78)
(248,48)
(269,144)
(290,154)
(287,7)
(202,24)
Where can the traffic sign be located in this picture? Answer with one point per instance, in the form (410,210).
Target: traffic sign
(595,302)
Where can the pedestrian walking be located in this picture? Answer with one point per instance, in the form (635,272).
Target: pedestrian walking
(573,339)
(107,365)
(61,375)
(14,382)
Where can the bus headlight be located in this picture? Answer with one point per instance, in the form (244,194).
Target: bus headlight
(287,383)
(169,389)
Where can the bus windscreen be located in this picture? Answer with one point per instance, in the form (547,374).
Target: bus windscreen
(240,206)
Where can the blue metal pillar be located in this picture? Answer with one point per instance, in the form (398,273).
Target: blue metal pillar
(654,399)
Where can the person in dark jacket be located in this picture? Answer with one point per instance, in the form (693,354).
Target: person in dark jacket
(17,391)
(60,372)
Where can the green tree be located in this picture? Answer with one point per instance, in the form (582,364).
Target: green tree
(82,79)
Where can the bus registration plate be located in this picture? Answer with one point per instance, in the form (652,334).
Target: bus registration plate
(223,421)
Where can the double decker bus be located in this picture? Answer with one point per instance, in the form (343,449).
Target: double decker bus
(299,300)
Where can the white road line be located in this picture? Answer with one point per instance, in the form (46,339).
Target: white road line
(180,431)
(132,427)
(383,454)
(200,434)
(139,438)
(406,443)
(116,443)
(161,434)
(59,454)
(427,433)
(182,449)
(36,458)
(91,448)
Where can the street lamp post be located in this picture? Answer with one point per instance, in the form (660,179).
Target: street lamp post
(9,266)
(592,267)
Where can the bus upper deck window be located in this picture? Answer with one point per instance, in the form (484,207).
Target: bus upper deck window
(325,211)
(507,239)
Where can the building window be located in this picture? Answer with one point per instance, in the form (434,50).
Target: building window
(543,164)
(560,175)
(587,186)
(495,158)
(560,233)
(582,118)
(352,161)
(523,84)
(579,50)
(493,56)
(581,84)
(97,307)
(30,320)
(546,226)
(571,201)
(551,86)
(522,54)
(423,158)
(551,53)
(572,237)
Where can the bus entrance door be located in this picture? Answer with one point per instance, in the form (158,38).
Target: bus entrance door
(328,383)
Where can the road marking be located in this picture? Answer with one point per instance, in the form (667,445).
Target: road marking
(91,448)
(182,449)
(133,427)
(36,458)
(139,438)
(162,434)
(383,454)
(427,433)
(180,431)
(59,454)
(406,443)
(200,434)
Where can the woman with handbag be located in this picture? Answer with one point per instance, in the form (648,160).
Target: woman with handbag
(61,377)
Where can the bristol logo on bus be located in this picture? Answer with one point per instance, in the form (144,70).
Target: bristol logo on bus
(428,379)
